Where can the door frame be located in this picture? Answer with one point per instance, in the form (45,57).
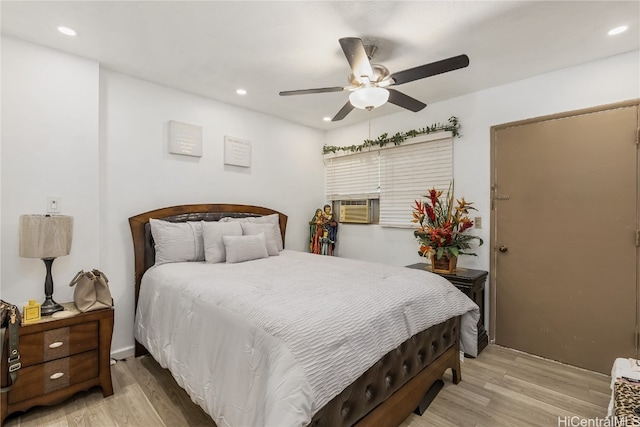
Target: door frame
(493,217)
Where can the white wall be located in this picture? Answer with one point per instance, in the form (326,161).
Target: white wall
(49,148)
(137,173)
(597,83)
(98,139)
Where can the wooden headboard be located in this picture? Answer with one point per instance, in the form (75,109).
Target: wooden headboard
(143,245)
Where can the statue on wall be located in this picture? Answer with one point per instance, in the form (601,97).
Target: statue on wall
(322,232)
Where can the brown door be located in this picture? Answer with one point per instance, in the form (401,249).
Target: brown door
(565,276)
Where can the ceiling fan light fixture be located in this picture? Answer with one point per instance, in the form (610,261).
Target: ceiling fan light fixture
(368,98)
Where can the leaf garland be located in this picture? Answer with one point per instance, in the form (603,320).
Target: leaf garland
(453,126)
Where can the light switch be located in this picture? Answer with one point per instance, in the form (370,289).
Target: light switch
(477,222)
(53,204)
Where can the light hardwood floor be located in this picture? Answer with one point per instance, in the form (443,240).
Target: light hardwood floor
(502,387)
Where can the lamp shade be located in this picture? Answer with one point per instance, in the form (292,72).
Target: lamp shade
(45,236)
(368,98)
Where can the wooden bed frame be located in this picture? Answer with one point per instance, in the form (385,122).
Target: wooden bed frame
(404,381)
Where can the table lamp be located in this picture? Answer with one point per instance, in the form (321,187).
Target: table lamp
(46,237)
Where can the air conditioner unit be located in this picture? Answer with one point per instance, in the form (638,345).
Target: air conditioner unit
(355,211)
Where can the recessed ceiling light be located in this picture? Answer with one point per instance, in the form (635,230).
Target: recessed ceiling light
(241,92)
(326,119)
(67,31)
(618,30)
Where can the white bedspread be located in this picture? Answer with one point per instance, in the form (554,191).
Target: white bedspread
(302,327)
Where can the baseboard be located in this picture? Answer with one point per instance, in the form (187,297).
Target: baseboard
(123,353)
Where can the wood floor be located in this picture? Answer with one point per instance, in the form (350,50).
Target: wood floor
(502,387)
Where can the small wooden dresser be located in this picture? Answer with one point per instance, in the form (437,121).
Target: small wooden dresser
(60,357)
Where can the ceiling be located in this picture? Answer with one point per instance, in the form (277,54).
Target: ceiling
(212,48)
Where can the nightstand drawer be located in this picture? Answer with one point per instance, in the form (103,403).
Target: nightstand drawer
(56,343)
(55,375)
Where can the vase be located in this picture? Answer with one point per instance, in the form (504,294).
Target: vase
(446,264)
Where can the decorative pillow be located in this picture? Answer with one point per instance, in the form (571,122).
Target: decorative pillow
(266,219)
(271,234)
(213,232)
(245,248)
(177,241)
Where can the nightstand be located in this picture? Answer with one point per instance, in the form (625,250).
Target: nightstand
(471,283)
(60,357)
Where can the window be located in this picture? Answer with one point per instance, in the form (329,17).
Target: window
(389,178)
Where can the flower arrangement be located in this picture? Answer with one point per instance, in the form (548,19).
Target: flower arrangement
(442,225)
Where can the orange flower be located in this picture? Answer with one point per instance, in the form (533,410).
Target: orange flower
(424,250)
(465,223)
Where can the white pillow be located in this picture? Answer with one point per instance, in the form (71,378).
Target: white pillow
(271,233)
(177,241)
(266,219)
(213,232)
(245,248)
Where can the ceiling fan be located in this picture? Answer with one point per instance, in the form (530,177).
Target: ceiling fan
(370,82)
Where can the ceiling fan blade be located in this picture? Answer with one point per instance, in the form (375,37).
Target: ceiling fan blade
(405,101)
(346,109)
(307,91)
(431,69)
(356,55)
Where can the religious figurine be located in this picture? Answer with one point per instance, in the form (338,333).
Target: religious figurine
(331,225)
(322,232)
(313,230)
(327,215)
(326,244)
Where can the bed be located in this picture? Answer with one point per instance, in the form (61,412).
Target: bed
(267,372)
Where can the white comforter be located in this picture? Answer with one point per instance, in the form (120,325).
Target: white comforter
(268,342)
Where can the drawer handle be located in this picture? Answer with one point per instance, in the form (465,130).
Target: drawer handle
(56,375)
(56,344)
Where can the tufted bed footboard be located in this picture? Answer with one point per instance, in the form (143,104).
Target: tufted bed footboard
(392,388)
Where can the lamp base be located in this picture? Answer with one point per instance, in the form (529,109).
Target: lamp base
(49,306)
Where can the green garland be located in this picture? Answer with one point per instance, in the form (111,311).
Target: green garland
(399,137)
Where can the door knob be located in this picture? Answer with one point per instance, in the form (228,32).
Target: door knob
(503,249)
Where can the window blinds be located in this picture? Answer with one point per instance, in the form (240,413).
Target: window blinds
(397,175)
(407,172)
(353,176)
